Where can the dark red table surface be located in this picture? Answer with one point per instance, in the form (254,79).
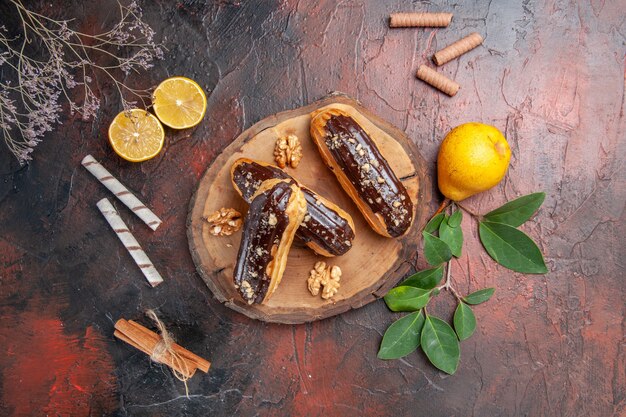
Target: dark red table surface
(550,75)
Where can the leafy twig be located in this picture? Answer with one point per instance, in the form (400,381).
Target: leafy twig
(507,245)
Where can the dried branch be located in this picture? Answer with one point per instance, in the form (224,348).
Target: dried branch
(66,59)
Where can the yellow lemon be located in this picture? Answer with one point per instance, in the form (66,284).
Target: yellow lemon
(179,102)
(473,157)
(136,135)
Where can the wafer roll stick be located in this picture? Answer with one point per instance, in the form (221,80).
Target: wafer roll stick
(406,20)
(439,81)
(457,49)
(141,259)
(121,192)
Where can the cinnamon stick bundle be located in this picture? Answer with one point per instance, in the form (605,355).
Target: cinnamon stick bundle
(161,349)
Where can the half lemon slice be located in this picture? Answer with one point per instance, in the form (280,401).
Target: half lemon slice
(179,102)
(136,135)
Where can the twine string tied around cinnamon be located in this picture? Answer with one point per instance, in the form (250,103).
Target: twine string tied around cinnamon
(165,347)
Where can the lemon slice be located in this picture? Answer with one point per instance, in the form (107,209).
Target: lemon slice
(179,102)
(136,135)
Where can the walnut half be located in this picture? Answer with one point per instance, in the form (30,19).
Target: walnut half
(224,222)
(331,284)
(323,276)
(315,277)
(288,151)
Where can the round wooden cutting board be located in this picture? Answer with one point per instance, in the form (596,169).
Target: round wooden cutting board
(369,269)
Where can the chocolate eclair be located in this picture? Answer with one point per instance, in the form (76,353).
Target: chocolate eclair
(362,171)
(326,228)
(276,210)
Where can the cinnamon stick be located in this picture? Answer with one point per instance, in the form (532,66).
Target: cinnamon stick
(173,355)
(199,362)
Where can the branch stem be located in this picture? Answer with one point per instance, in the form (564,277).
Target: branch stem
(468,211)
(444,205)
(448,284)
(49,58)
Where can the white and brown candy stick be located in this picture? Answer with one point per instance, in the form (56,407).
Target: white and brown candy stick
(121,192)
(130,243)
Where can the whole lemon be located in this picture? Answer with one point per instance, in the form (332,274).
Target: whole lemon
(473,157)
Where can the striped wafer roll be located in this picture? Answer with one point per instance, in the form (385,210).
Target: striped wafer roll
(457,49)
(407,20)
(130,243)
(121,192)
(439,81)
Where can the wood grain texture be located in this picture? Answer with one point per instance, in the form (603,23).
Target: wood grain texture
(369,269)
(550,75)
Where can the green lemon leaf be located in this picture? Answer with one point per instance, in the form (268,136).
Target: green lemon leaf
(464,321)
(511,248)
(440,344)
(407,298)
(402,337)
(436,250)
(516,212)
(453,236)
(426,279)
(479,296)
(434,223)
(455,219)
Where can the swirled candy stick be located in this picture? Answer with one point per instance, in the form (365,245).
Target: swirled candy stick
(130,243)
(121,192)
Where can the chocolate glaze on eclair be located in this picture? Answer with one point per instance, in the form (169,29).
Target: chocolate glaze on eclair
(276,210)
(326,228)
(363,172)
